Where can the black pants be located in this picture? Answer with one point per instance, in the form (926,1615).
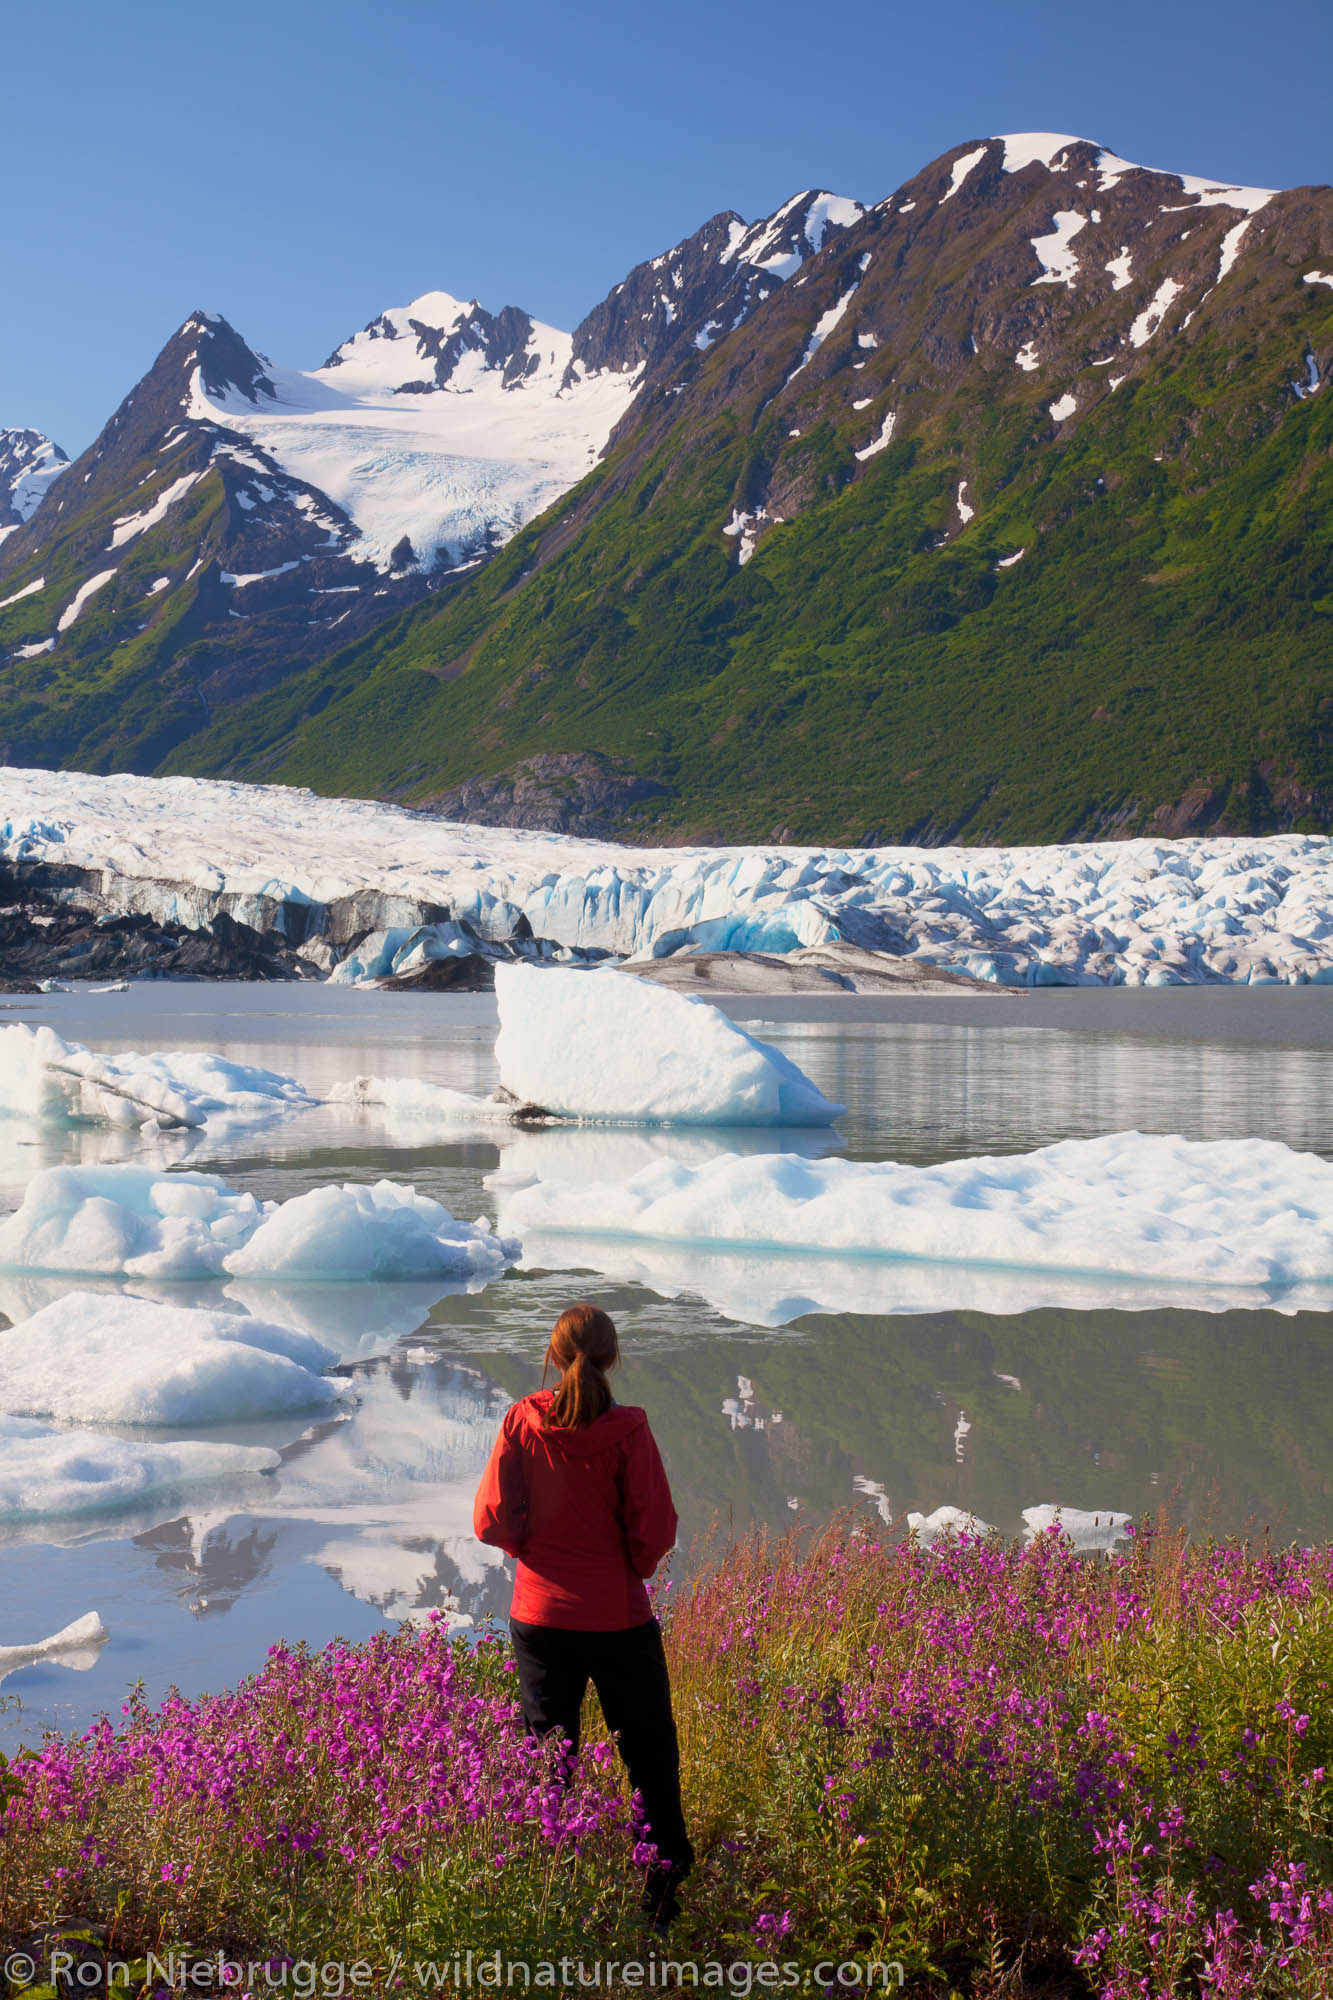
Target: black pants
(629,1671)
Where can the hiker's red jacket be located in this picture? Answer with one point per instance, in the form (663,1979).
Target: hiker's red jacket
(587,1513)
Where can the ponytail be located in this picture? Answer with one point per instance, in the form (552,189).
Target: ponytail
(583,1347)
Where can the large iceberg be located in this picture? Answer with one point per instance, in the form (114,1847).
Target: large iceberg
(46,1471)
(52,1081)
(605,1046)
(95,1358)
(132,1222)
(325,872)
(1219,1214)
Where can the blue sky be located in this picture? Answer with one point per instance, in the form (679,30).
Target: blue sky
(300,166)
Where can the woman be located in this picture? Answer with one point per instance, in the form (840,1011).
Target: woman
(575,1490)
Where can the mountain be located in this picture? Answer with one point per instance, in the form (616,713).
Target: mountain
(998,509)
(28,464)
(235,519)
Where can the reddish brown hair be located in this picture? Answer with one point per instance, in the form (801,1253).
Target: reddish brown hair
(583,1347)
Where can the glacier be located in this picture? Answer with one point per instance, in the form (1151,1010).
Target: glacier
(604,1046)
(94,1358)
(326,873)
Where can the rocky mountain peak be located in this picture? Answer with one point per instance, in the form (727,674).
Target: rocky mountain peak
(28,463)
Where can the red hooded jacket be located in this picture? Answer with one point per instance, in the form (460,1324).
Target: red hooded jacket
(586,1512)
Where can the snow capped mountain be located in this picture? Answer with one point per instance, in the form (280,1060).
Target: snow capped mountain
(1030,311)
(28,464)
(438,431)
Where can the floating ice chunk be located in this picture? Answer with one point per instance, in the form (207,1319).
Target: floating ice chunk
(54,1081)
(413,1098)
(49,1472)
(76,1646)
(357,1233)
(1086,1531)
(603,1045)
(1215,1213)
(129,1221)
(95,1358)
(946,1524)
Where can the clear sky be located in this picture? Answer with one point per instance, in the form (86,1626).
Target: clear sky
(299,165)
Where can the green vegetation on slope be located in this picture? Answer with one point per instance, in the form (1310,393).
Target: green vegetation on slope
(1165,635)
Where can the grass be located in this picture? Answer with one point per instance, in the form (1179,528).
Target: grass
(1009,1770)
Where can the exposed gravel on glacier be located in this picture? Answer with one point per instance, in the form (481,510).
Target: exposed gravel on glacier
(1141,912)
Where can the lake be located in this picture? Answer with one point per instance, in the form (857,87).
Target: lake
(924,1387)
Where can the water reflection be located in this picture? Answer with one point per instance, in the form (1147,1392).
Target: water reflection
(782,1388)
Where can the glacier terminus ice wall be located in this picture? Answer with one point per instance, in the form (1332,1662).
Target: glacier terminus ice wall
(365,890)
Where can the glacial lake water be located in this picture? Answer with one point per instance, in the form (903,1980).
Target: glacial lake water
(947,1391)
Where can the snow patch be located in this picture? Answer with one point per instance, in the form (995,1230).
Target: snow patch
(1063,406)
(1119,270)
(17,596)
(1150,319)
(127,526)
(1007,562)
(1059,264)
(823,327)
(80,598)
(1026,357)
(962,167)
(881,440)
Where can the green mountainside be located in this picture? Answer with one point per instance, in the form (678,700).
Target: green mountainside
(1010,518)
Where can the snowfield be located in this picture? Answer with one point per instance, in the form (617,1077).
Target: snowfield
(325,871)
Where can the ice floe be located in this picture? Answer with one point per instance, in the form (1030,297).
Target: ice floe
(76,1645)
(1222,1214)
(1087,1531)
(946,1524)
(97,1359)
(46,1471)
(52,1081)
(324,871)
(603,1045)
(131,1221)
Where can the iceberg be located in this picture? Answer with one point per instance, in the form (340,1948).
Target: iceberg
(133,1222)
(946,1524)
(94,1358)
(76,1646)
(1218,1214)
(602,1045)
(1087,1532)
(52,1081)
(46,1471)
